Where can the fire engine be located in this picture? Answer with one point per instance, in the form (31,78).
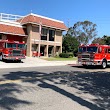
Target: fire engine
(12,50)
(94,54)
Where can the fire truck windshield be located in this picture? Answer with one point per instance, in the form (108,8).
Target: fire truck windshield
(11,45)
(82,49)
(22,46)
(92,49)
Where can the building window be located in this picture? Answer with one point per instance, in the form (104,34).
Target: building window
(51,35)
(35,29)
(44,34)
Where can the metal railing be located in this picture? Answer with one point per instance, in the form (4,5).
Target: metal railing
(9,17)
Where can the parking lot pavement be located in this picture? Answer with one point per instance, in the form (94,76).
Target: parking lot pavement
(54,88)
(34,62)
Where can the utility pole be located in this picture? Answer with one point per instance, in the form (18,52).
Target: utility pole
(40,29)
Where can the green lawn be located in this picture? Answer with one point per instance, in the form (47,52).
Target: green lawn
(60,59)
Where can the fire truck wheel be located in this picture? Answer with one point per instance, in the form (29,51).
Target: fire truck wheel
(104,64)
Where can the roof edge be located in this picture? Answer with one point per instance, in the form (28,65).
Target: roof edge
(45,25)
(13,34)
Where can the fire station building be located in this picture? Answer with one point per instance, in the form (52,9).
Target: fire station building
(43,35)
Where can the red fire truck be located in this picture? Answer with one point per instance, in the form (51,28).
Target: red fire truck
(12,50)
(94,54)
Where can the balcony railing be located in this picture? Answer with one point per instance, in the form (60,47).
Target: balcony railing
(9,17)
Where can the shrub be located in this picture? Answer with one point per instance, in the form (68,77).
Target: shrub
(70,55)
(75,54)
(66,55)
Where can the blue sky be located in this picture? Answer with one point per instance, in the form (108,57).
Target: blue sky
(97,11)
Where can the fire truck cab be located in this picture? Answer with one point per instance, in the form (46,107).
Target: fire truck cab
(94,54)
(12,50)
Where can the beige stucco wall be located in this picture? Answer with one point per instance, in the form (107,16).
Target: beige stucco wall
(33,38)
(58,36)
(35,33)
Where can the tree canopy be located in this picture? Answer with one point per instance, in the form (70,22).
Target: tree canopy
(83,31)
(105,40)
(70,44)
(99,40)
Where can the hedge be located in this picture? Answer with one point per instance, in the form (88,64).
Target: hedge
(66,55)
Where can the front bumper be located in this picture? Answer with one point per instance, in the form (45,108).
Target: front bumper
(14,57)
(89,62)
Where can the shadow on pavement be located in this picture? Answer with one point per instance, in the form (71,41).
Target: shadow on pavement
(12,61)
(71,96)
(8,99)
(88,67)
(94,83)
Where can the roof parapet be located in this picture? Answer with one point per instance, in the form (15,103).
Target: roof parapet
(9,17)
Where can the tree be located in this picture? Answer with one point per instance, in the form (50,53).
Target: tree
(99,40)
(70,44)
(106,39)
(83,31)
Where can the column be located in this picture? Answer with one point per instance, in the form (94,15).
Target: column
(61,49)
(39,44)
(48,35)
(29,42)
(39,49)
(46,50)
(54,50)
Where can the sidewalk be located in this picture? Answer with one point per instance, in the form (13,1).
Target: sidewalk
(35,62)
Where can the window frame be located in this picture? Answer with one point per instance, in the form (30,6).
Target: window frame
(44,33)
